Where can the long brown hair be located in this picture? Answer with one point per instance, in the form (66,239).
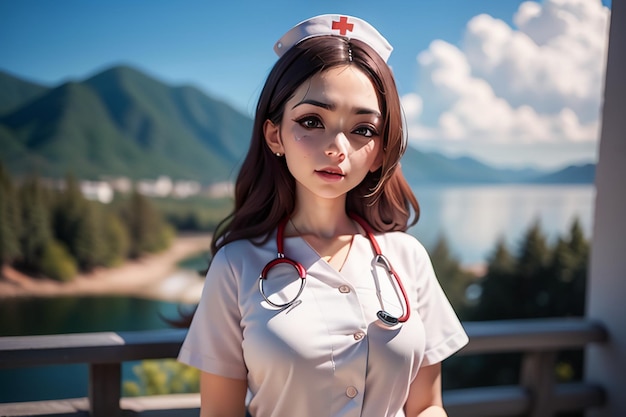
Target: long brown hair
(265,189)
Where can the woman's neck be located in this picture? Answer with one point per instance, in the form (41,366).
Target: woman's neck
(322,221)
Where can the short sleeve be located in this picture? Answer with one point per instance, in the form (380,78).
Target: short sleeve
(444,332)
(214,340)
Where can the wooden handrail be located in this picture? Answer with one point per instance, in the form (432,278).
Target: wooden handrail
(538,340)
(549,334)
(105,347)
(485,337)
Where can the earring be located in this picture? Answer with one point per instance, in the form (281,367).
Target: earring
(279,154)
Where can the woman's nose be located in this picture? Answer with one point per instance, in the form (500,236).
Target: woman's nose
(337,147)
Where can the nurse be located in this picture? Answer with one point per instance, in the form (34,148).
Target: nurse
(317,303)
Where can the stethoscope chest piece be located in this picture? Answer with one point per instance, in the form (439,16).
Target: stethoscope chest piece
(282,260)
(387,319)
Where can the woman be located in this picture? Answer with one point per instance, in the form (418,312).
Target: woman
(348,319)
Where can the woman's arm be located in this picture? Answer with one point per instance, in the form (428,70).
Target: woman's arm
(425,394)
(222,397)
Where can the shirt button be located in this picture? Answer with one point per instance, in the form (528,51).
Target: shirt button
(351,392)
(359,335)
(344,289)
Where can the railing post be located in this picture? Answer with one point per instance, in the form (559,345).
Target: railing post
(105,389)
(538,378)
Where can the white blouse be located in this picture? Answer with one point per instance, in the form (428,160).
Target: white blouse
(327,355)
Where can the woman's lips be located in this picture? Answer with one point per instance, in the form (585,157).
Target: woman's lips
(330,174)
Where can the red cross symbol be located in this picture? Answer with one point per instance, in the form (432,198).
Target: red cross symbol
(343,26)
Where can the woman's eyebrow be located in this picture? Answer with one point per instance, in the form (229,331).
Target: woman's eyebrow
(326,106)
(331,107)
(364,110)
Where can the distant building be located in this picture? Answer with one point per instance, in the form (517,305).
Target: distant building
(161,187)
(122,185)
(221,189)
(184,189)
(104,191)
(100,191)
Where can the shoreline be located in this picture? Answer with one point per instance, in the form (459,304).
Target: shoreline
(154,276)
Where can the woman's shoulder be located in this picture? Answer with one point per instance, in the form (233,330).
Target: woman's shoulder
(403,242)
(241,247)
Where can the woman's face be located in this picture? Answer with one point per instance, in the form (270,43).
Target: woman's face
(330,133)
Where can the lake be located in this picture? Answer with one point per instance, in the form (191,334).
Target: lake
(472,218)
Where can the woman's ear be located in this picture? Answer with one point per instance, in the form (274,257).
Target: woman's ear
(272,137)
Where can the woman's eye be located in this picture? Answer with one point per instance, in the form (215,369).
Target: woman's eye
(310,123)
(368,132)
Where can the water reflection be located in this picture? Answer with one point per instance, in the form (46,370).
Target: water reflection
(473,218)
(67,314)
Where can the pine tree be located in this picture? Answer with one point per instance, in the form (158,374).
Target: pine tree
(36,231)
(569,268)
(498,287)
(9,219)
(147,229)
(501,261)
(68,215)
(533,274)
(534,252)
(78,226)
(57,263)
(581,249)
(116,237)
(454,280)
(89,244)
(539,281)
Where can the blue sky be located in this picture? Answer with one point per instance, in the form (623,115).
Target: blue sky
(225,49)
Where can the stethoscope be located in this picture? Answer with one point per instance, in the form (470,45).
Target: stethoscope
(379,258)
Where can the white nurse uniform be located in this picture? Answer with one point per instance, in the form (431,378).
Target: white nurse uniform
(327,355)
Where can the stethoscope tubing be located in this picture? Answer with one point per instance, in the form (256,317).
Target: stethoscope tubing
(379,258)
(382,260)
(282,259)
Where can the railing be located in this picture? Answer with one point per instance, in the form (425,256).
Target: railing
(536,395)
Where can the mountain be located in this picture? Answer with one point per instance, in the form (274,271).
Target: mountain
(430,167)
(16,92)
(122,122)
(575,174)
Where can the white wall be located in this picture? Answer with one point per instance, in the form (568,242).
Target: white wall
(606,300)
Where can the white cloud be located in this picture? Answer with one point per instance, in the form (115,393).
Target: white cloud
(412,105)
(539,83)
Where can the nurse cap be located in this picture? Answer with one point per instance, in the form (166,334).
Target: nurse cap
(348,27)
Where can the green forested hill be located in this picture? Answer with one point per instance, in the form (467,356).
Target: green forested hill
(122,122)
(15,92)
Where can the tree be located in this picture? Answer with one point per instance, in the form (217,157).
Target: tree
(538,281)
(533,275)
(454,280)
(568,266)
(89,244)
(9,219)
(77,225)
(35,232)
(57,263)
(116,237)
(147,230)
(159,377)
(498,287)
